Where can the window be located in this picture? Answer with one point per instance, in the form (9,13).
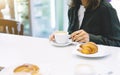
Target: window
(40,17)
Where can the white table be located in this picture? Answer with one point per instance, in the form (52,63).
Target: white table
(15,49)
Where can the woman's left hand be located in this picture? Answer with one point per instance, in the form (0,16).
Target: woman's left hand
(80,36)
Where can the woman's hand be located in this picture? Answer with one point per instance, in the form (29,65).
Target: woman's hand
(52,37)
(80,36)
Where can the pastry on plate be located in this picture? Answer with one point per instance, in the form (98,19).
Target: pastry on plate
(27,68)
(88,48)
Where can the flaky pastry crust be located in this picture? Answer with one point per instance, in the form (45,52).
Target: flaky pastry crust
(29,68)
(89,48)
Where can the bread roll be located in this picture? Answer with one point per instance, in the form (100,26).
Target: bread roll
(89,48)
(28,68)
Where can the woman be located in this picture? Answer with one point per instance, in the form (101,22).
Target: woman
(100,23)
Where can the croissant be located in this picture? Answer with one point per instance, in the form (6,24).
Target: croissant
(89,48)
(29,68)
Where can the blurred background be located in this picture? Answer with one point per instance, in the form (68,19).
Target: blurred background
(40,17)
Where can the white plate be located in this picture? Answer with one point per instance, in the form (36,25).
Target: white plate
(60,45)
(102,52)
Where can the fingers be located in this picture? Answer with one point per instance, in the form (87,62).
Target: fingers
(52,37)
(82,39)
(75,33)
(80,36)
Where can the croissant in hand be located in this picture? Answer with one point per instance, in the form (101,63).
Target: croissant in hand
(89,48)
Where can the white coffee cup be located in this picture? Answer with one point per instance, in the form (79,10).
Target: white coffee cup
(61,37)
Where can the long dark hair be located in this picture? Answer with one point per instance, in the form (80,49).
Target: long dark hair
(92,4)
(74,3)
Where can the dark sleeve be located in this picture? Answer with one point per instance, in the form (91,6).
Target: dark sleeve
(103,40)
(110,28)
(71,20)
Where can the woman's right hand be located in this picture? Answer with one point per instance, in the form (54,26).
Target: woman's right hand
(80,36)
(52,37)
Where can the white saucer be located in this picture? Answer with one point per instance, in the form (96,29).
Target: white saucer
(60,45)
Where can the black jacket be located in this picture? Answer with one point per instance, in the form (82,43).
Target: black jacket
(102,24)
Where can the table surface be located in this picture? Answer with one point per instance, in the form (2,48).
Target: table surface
(16,50)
